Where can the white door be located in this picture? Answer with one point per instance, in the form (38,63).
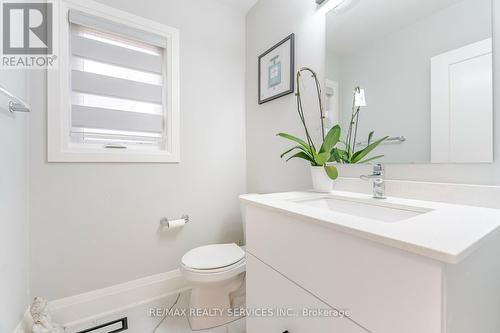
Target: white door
(462,105)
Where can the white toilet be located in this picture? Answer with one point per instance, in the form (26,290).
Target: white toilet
(216,272)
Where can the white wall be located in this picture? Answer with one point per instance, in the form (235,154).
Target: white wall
(267,23)
(14,233)
(95,225)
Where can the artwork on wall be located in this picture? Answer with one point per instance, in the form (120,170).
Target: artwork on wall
(276,70)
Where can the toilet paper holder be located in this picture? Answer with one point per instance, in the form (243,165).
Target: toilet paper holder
(165,222)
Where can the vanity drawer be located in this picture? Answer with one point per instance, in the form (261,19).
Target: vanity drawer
(386,289)
(268,290)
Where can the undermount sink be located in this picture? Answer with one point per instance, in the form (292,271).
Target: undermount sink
(371,209)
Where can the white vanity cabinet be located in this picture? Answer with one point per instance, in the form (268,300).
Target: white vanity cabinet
(300,262)
(279,305)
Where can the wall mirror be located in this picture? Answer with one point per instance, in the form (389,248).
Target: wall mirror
(425,68)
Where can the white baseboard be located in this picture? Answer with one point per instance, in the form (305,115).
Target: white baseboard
(85,307)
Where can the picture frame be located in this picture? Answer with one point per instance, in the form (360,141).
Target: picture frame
(277,70)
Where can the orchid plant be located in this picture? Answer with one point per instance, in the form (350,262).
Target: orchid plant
(350,154)
(306,149)
(329,152)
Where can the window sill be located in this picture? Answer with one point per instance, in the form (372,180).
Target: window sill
(111,156)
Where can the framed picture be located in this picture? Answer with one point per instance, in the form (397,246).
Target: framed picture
(277,70)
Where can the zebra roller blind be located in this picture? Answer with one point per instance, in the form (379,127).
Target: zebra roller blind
(118,93)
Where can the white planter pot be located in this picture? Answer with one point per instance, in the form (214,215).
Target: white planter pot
(321,182)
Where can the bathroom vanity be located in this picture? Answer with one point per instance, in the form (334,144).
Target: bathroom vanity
(344,262)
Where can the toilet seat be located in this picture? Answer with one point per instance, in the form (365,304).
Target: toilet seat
(213,263)
(212,257)
(215,270)
(216,275)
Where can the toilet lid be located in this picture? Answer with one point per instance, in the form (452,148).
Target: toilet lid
(213,256)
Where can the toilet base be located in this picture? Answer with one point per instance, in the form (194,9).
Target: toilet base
(211,305)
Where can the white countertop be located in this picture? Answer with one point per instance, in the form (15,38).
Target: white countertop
(447,233)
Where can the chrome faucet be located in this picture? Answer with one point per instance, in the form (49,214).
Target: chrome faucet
(378,181)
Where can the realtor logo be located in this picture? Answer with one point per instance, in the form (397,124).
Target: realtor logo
(27,34)
(27,28)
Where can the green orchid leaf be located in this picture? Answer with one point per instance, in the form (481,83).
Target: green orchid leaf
(332,172)
(370,137)
(295,139)
(331,139)
(289,150)
(358,156)
(301,155)
(339,156)
(315,158)
(348,152)
(334,156)
(296,147)
(321,158)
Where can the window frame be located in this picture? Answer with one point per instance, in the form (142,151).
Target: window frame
(60,147)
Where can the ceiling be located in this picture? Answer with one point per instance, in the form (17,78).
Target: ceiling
(243,5)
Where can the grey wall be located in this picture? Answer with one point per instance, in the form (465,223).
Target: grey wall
(14,233)
(395,72)
(269,21)
(95,225)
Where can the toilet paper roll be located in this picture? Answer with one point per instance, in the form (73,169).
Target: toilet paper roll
(176,224)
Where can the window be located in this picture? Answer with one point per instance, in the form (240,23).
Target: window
(115,95)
